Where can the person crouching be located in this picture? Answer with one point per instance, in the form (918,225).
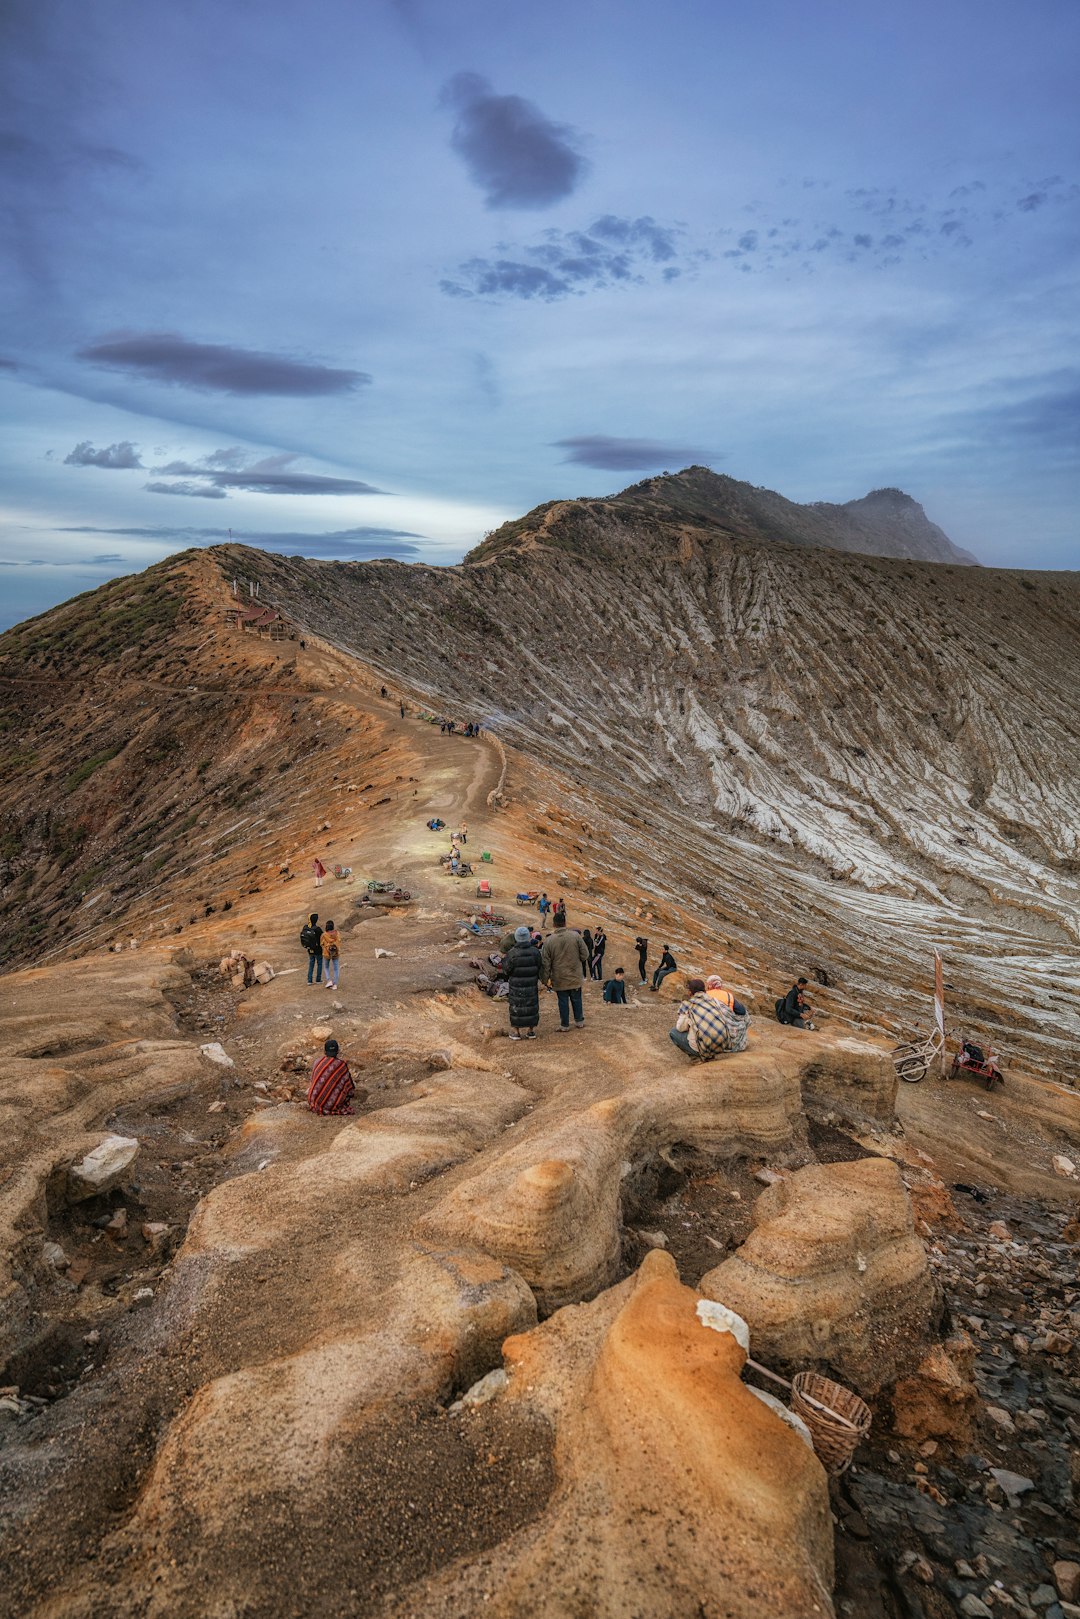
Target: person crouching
(331,1089)
(521,966)
(706,1027)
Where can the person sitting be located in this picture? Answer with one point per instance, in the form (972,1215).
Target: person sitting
(795,1010)
(714,986)
(331,1089)
(668,964)
(615,989)
(705,1028)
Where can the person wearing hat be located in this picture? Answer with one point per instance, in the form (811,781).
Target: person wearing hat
(331,1089)
(521,968)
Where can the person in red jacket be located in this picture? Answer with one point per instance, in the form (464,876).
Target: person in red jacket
(331,1089)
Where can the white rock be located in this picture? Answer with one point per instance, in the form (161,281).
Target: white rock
(263,972)
(217,1053)
(381,955)
(101,1169)
(720,1319)
(1063,1165)
(54,1255)
(768,1177)
(483,1391)
(144,1293)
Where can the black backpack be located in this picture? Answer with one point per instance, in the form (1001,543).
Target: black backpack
(309,938)
(781,1015)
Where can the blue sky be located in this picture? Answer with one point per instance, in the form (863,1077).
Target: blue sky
(367,278)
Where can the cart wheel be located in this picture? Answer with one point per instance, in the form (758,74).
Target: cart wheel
(912,1069)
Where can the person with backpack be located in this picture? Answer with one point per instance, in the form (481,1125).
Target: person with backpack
(521,967)
(793,1008)
(706,1028)
(596,966)
(615,989)
(331,949)
(642,956)
(668,964)
(311,939)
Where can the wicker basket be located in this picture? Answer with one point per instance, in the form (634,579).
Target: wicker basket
(837,1419)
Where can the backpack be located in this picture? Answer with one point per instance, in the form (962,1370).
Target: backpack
(781,1015)
(309,939)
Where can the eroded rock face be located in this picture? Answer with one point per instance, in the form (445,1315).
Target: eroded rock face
(554,1215)
(940,1400)
(855,1077)
(833,1275)
(679,1493)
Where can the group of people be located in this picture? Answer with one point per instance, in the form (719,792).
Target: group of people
(561,960)
(452,728)
(323,945)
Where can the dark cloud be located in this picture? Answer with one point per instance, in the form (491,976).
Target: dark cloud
(1044,412)
(273,475)
(516,155)
(186,486)
(116,457)
(561,263)
(217,367)
(8,365)
(344,543)
(629,454)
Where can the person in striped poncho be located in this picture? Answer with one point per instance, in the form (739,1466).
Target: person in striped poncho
(331,1089)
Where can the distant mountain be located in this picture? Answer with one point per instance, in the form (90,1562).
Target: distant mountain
(884,523)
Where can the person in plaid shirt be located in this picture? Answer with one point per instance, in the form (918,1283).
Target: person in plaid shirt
(706,1028)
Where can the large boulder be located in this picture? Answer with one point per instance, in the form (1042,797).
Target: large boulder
(833,1276)
(102,1168)
(852,1077)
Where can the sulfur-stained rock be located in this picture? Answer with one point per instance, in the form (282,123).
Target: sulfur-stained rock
(680,1493)
(833,1275)
(940,1400)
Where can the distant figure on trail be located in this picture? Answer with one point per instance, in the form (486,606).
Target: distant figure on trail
(587,941)
(642,955)
(615,988)
(442,727)
(383,692)
(560,911)
(331,949)
(599,945)
(463,832)
(705,1028)
(402,708)
(320,871)
(543,905)
(564,961)
(311,939)
(668,964)
(331,1088)
(714,986)
(794,1009)
(522,965)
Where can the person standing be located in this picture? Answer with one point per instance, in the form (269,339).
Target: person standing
(401,705)
(320,871)
(642,955)
(522,966)
(560,911)
(331,1088)
(564,962)
(311,939)
(668,964)
(599,946)
(543,905)
(464,832)
(587,941)
(331,949)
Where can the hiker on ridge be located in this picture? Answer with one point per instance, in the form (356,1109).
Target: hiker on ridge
(311,939)
(564,961)
(522,965)
(668,964)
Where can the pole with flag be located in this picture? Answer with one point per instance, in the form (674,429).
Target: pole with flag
(939,1004)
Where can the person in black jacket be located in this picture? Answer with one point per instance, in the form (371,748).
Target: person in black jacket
(796,1008)
(596,966)
(311,939)
(521,966)
(642,956)
(668,964)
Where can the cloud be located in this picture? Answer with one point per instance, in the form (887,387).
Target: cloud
(217,367)
(516,155)
(348,543)
(116,458)
(561,263)
(1046,415)
(273,475)
(629,454)
(8,365)
(186,487)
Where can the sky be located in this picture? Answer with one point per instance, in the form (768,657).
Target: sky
(367,277)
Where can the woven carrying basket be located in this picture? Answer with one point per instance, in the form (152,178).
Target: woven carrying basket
(835,1441)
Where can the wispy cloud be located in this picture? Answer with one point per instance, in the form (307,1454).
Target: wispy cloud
(345,543)
(222,470)
(518,156)
(629,454)
(611,250)
(217,367)
(120,457)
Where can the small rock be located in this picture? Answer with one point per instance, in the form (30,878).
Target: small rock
(1063,1165)
(1042,1596)
(974,1607)
(91,1338)
(1014,1484)
(1001,1419)
(216,1107)
(483,1391)
(383,955)
(1067,1580)
(263,972)
(154,1233)
(54,1255)
(321,1031)
(143,1293)
(339,1006)
(653,1239)
(768,1177)
(439,1060)
(216,1052)
(1000,1230)
(1056,1343)
(928,1447)
(101,1169)
(117,1225)
(964,1569)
